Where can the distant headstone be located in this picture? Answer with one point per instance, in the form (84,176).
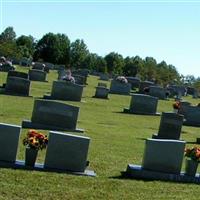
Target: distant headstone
(157,91)
(18,74)
(170,126)
(67,152)
(143,85)
(9,138)
(134,81)
(191,115)
(80,80)
(120,88)
(38,66)
(163,155)
(82,72)
(143,104)
(52,115)
(16,85)
(37,75)
(63,90)
(101,92)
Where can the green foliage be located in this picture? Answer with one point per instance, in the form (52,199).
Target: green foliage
(53,48)
(8,35)
(78,54)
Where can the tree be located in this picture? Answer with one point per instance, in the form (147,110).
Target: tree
(8,35)
(78,54)
(53,48)
(115,63)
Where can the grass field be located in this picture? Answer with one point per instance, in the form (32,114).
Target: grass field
(116,140)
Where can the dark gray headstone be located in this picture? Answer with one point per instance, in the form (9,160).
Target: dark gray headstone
(52,115)
(170,126)
(134,81)
(120,88)
(16,85)
(104,77)
(37,75)
(101,92)
(18,74)
(143,104)
(63,90)
(145,84)
(157,91)
(163,155)
(9,138)
(38,66)
(81,80)
(102,85)
(67,152)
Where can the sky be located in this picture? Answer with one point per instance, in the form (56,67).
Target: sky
(165,30)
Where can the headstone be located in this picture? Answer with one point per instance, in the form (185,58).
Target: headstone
(163,155)
(101,92)
(157,91)
(80,80)
(144,84)
(9,138)
(38,66)
(67,152)
(26,62)
(18,74)
(52,115)
(82,72)
(59,67)
(16,85)
(143,104)
(63,90)
(134,81)
(191,115)
(37,75)
(120,88)
(170,126)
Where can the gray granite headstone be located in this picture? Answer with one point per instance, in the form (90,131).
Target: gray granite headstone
(134,81)
(67,152)
(170,126)
(102,85)
(63,90)
(163,155)
(18,74)
(81,80)
(37,75)
(143,104)
(9,138)
(38,66)
(191,115)
(16,85)
(157,91)
(120,88)
(101,92)
(104,77)
(144,84)
(52,115)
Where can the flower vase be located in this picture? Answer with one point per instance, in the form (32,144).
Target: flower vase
(191,167)
(30,157)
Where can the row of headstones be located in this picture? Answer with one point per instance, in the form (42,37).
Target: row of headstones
(65,152)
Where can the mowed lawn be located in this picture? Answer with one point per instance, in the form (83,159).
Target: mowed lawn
(116,140)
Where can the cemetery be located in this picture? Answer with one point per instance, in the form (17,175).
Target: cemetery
(109,155)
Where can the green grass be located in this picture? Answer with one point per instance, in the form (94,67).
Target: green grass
(116,140)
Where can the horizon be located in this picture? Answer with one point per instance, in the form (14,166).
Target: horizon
(163,30)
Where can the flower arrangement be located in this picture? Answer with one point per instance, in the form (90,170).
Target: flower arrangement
(121,79)
(177,105)
(193,153)
(35,140)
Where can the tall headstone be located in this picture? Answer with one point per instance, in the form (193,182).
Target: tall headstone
(143,104)
(9,138)
(67,152)
(52,115)
(170,126)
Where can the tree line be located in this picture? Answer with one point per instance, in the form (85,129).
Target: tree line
(58,49)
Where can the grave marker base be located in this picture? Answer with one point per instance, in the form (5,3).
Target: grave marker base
(189,123)
(101,97)
(137,172)
(155,136)
(127,110)
(29,124)
(19,164)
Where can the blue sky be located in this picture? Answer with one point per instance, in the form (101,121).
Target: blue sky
(163,30)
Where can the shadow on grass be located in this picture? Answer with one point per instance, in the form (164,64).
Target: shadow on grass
(141,139)
(192,142)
